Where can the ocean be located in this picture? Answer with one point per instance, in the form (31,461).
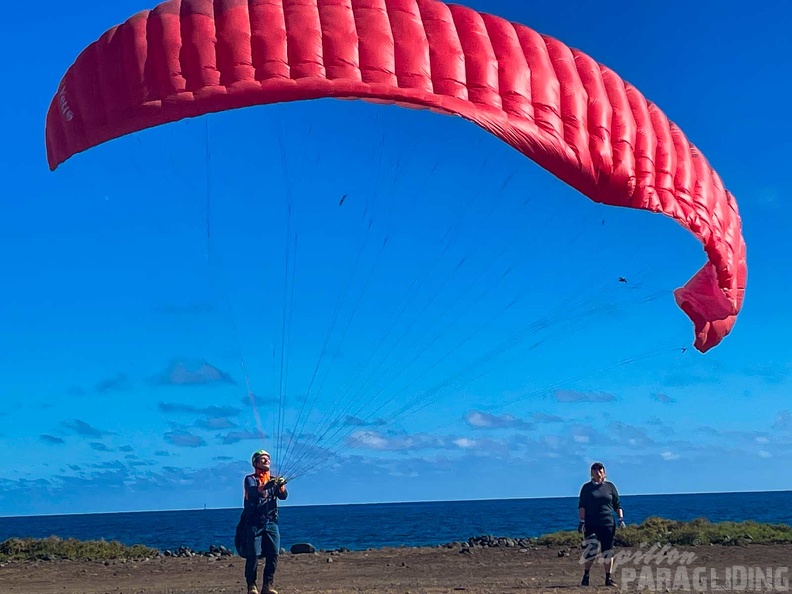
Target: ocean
(393,524)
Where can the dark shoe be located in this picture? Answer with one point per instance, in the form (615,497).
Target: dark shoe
(585,580)
(609,581)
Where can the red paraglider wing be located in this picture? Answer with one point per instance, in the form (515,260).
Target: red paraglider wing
(572,116)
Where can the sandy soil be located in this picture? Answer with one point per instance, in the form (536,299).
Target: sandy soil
(402,571)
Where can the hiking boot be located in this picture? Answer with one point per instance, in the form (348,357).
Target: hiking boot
(253,589)
(268,589)
(585,580)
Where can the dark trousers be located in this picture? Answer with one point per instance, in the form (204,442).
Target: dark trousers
(598,537)
(265,541)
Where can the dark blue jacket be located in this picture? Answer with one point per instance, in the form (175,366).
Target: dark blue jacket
(261,499)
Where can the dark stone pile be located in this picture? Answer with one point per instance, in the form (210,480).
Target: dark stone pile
(484,541)
(489,541)
(214,551)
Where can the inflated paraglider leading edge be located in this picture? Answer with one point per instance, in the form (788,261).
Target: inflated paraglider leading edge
(556,105)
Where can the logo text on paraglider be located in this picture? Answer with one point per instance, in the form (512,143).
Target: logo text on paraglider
(63,102)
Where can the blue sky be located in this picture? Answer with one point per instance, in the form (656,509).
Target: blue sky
(122,374)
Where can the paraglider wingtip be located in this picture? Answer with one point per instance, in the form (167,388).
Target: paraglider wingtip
(52,162)
(710,326)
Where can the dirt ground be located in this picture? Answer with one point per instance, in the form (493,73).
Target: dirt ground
(414,571)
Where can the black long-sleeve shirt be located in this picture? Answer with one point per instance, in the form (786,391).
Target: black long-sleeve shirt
(599,500)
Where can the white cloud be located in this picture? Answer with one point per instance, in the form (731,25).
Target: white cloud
(369,439)
(577,396)
(483,420)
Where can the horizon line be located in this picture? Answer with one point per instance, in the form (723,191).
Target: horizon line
(301,505)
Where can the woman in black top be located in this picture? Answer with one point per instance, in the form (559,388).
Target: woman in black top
(597,503)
